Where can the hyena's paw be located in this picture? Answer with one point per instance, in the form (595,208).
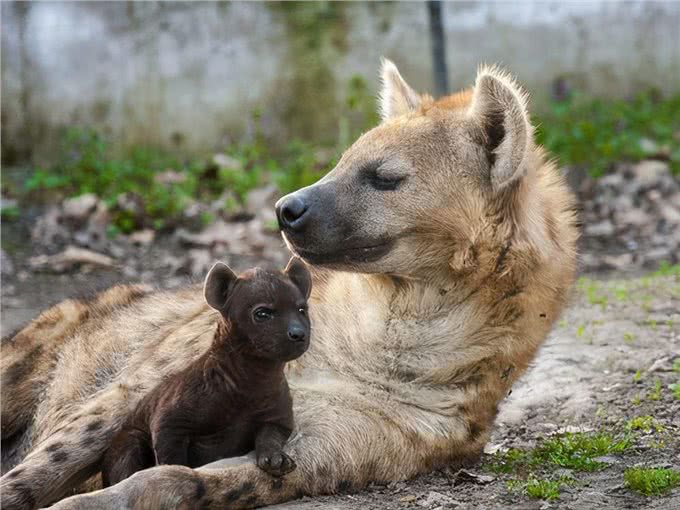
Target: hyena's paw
(276,463)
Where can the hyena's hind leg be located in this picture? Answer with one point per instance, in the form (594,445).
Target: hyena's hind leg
(67,458)
(130,451)
(28,357)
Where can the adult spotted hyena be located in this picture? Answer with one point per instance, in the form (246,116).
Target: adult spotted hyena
(442,248)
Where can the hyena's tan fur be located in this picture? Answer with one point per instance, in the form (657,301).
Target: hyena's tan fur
(410,354)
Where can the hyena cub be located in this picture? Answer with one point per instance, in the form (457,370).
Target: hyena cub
(235,396)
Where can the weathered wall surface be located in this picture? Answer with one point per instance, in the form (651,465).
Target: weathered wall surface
(189,75)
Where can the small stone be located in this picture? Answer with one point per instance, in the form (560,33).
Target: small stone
(407,499)
(79,208)
(602,229)
(142,237)
(670,214)
(649,172)
(619,262)
(70,258)
(633,217)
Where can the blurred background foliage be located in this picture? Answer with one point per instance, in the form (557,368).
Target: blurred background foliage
(592,133)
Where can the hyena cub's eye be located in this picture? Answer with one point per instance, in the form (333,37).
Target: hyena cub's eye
(262,314)
(381,179)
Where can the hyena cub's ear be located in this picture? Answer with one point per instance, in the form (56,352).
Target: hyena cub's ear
(218,285)
(396,97)
(499,107)
(299,274)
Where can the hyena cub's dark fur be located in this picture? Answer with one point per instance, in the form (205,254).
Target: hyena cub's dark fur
(235,396)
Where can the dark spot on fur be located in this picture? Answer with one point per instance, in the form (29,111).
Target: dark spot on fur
(232,496)
(94,425)
(442,292)
(200,490)
(24,494)
(512,293)
(323,472)
(475,429)
(54,447)
(58,457)
(252,501)
(501,257)
(277,484)
(19,369)
(344,486)
(542,316)
(246,488)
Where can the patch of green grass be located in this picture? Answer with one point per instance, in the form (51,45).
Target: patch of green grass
(667,269)
(628,337)
(599,133)
(591,289)
(575,451)
(676,365)
(644,423)
(580,330)
(542,489)
(675,389)
(621,293)
(9,213)
(651,481)
(637,376)
(655,394)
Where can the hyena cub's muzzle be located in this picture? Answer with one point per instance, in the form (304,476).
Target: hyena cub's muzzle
(325,229)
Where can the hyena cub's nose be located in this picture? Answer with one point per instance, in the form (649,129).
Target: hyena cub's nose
(290,212)
(296,333)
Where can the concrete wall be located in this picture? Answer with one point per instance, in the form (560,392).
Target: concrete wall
(189,75)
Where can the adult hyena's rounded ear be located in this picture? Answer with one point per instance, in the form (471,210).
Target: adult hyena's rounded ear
(396,97)
(499,106)
(299,274)
(218,285)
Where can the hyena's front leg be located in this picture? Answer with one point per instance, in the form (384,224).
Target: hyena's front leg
(67,457)
(336,449)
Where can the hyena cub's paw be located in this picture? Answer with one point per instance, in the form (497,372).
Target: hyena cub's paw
(276,463)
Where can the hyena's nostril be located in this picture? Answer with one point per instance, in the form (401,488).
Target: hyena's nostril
(290,212)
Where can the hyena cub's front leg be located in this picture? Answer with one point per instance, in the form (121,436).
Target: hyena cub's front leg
(66,458)
(269,454)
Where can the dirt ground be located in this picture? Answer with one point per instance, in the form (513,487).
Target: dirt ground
(601,366)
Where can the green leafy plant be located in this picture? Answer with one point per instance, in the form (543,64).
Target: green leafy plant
(542,489)
(575,451)
(651,481)
(597,133)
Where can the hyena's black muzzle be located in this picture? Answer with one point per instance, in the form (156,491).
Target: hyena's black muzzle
(324,226)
